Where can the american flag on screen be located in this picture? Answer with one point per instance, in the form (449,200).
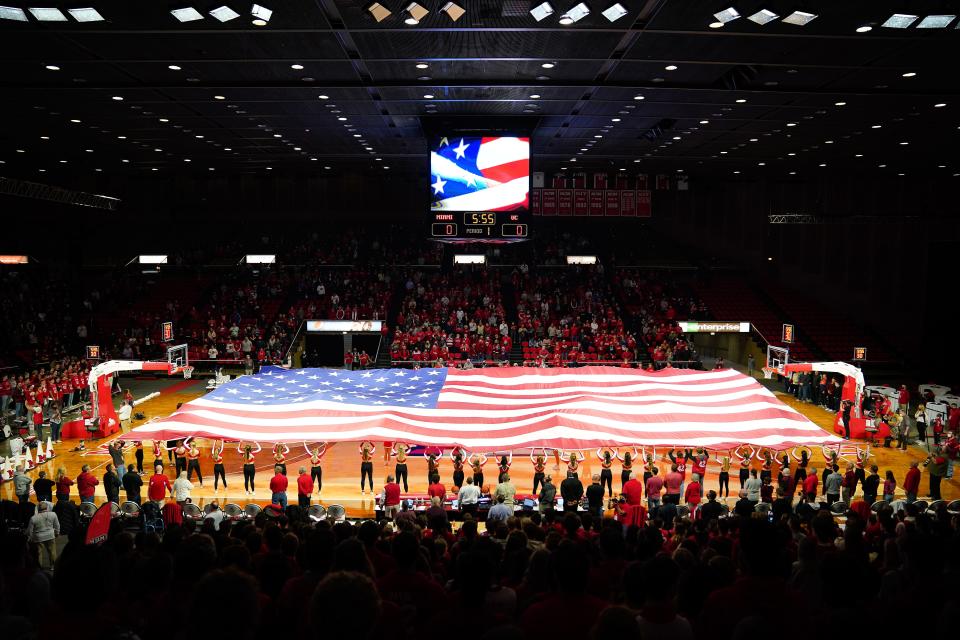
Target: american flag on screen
(480,174)
(495,409)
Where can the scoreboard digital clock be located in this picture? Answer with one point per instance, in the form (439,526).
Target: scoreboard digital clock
(480,225)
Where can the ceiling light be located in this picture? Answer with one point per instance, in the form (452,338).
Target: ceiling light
(121,137)
(638,98)
(277,135)
(839,104)
(541,11)
(13,13)
(800,18)
(741,100)
(828,142)
(227,149)
(858,155)
(187,14)
(548,65)
(52,67)
(763,17)
(164,120)
(900,21)
(864,28)
(904,143)
(716,25)
(614,119)
(453,10)
(416,12)
(575,14)
(534,96)
(219,98)
(118,98)
(614,12)
(75,121)
(342,119)
(47,14)
(727,15)
(356,135)
(323,97)
(378,11)
(173,67)
(876,126)
(85,14)
(940,104)
(224,13)
(676,137)
(791,124)
(296,67)
(909,74)
(671,67)
(261,15)
(422,65)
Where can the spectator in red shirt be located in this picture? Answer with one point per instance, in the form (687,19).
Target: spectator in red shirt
(304,488)
(159,485)
(692,495)
(86,484)
(654,487)
(810,484)
(278,487)
(904,397)
(633,491)
(436,489)
(911,483)
(672,482)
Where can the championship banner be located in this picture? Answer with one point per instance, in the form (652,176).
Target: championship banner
(580,180)
(581,202)
(99,525)
(548,202)
(565,202)
(628,203)
(166,332)
(613,203)
(663,182)
(787,335)
(535,201)
(644,205)
(596,203)
(600,181)
(643,181)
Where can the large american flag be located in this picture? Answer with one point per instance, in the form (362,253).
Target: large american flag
(480,174)
(495,409)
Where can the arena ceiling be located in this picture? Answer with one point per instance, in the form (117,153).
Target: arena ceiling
(324,84)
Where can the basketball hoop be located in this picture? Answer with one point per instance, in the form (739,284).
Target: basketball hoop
(187,372)
(768,372)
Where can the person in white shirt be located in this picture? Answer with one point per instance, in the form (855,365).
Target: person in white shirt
(126,410)
(469,496)
(216,515)
(212,353)
(182,488)
(752,487)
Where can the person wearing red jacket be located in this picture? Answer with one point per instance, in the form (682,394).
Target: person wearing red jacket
(633,491)
(911,483)
(810,484)
(86,484)
(692,495)
(391,498)
(278,487)
(304,488)
(159,485)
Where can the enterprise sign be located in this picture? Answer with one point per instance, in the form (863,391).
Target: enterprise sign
(692,326)
(341,326)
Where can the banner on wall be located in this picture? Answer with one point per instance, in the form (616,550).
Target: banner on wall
(633,203)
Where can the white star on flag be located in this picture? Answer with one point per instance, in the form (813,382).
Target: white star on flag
(461,149)
(439,185)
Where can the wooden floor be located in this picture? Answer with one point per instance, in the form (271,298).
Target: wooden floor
(341,466)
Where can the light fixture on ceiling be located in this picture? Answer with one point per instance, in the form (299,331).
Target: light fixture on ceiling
(47,14)
(704,122)
(541,11)
(936,22)
(741,100)
(422,65)
(428,96)
(261,15)
(791,124)
(548,65)
(453,10)
(800,18)
(415,13)
(296,67)
(534,96)
(219,98)
(575,14)
(378,11)
(763,17)
(940,104)
(85,14)
(13,13)
(224,14)
(864,28)
(716,25)
(52,67)
(909,74)
(614,12)
(839,104)
(118,98)
(342,119)
(639,98)
(671,67)
(727,15)
(900,21)
(187,14)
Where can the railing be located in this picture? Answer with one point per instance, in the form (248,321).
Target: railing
(410,364)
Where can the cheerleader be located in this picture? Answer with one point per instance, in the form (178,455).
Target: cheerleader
(539,468)
(180,457)
(862,455)
(457,455)
(649,463)
(626,466)
(216,453)
(400,450)
(193,462)
(725,475)
(803,461)
(316,454)
(249,467)
(476,461)
(280,451)
(504,467)
(573,464)
(699,465)
(433,463)
(745,458)
(785,477)
(158,449)
(766,467)
(367,449)
(138,454)
(607,456)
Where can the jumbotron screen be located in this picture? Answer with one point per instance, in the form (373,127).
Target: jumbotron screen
(479,187)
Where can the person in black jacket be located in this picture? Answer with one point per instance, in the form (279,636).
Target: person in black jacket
(43,487)
(68,515)
(548,495)
(571,490)
(111,484)
(132,482)
(782,505)
(595,497)
(744,507)
(711,509)
(871,485)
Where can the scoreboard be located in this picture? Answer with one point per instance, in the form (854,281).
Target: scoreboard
(480,225)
